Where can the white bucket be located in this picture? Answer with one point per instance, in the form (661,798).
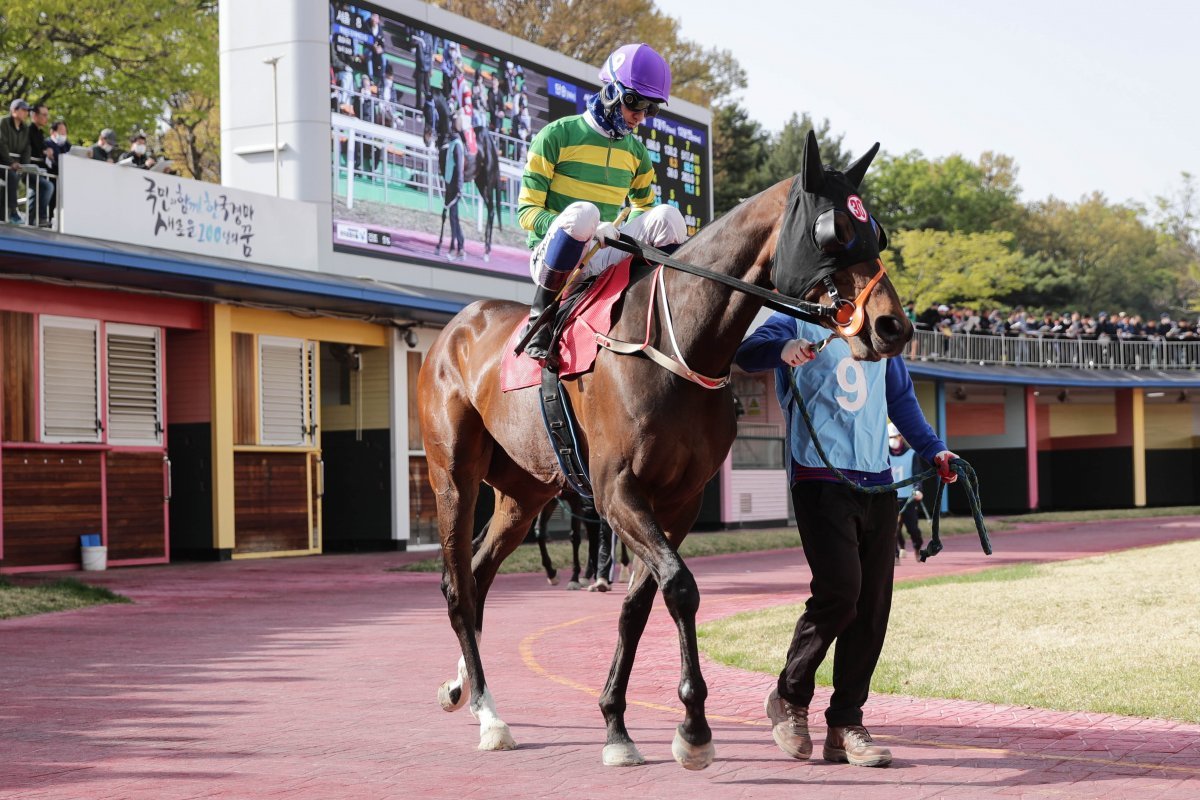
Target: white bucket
(94,558)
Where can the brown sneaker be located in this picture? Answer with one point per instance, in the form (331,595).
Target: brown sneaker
(789,726)
(852,744)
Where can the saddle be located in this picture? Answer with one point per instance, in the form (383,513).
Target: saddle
(586,312)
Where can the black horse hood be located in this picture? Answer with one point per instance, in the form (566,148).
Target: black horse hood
(802,255)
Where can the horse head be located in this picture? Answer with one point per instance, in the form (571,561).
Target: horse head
(828,251)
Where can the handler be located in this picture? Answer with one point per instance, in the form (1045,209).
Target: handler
(848,536)
(580,171)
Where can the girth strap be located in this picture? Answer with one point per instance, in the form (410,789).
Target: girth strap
(559,419)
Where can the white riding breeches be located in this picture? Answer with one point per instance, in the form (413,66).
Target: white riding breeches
(660,226)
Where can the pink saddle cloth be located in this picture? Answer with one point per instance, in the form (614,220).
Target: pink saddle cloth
(577,348)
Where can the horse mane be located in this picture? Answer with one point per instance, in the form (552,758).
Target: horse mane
(728,240)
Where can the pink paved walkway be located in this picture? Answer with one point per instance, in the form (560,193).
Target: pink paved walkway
(316,678)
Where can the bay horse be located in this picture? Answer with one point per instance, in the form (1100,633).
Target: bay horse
(487,183)
(652,440)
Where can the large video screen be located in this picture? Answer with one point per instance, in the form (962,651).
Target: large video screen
(399,92)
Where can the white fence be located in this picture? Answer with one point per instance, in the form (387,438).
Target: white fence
(1045,351)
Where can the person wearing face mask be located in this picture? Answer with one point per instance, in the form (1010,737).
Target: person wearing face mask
(137,157)
(582,169)
(14,151)
(105,148)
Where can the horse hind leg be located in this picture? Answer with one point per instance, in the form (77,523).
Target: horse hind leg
(540,535)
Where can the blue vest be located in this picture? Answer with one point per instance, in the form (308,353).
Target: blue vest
(902,468)
(847,401)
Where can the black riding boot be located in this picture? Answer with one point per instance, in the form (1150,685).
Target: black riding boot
(539,346)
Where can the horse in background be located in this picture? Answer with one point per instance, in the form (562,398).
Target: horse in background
(583,517)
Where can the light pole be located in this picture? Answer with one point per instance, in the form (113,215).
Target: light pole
(274,62)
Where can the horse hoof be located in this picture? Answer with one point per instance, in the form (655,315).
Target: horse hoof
(622,755)
(599,586)
(496,737)
(574,586)
(553,581)
(451,698)
(691,756)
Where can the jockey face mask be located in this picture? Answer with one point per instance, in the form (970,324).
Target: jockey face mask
(826,227)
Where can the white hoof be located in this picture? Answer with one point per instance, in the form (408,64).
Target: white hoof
(552,581)
(452,698)
(496,736)
(574,586)
(692,757)
(622,755)
(599,586)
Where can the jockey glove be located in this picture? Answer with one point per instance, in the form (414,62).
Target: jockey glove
(606,231)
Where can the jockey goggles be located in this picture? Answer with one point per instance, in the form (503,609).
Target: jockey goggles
(636,103)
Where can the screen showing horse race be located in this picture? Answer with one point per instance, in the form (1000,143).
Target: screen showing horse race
(401,92)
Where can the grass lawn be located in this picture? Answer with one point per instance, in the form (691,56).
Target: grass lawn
(19,600)
(527,559)
(1116,633)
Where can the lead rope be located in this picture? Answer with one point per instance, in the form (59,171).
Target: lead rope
(965,471)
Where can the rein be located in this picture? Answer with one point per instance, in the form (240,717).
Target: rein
(792,306)
(960,465)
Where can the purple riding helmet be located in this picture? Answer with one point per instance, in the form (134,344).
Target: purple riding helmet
(636,75)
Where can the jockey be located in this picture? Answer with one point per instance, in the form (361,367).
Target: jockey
(580,172)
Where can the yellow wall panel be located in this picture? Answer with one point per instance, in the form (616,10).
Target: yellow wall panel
(325,329)
(374,396)
(1170,427)
(1079,419)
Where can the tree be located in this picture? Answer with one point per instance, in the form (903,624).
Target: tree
(785,156)
(590,31)
(193,139)
(910,191)
(739,151)
(1110,258)
(1177,218)
(951,267)
(98,66)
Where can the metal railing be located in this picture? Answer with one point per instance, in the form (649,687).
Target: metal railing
(1048,351)
(35,187)
(397,163)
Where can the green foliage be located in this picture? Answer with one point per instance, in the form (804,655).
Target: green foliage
(1177,218)
(97,65)
(785,156)
(954,267)
(911,192)
(739,151)
(1103,251)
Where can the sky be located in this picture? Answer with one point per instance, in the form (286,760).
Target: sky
(1085,96)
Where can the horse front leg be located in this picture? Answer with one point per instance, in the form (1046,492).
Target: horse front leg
(619,749)
(630,515)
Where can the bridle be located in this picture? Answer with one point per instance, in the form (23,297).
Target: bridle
(849,316)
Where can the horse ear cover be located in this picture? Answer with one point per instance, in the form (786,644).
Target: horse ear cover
(856,171)
(813,176)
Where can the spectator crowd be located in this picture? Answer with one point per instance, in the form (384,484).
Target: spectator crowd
(1065,325)
(31,151)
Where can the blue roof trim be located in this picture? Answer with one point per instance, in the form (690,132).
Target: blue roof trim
(1050,376)
(280,279)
